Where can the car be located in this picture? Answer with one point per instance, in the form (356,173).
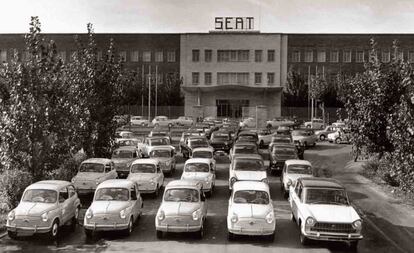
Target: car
(221,141)
(247,136)
(166,157)
(148,175)
(321,209)
(284,130)
(124,134)
(305,137)
(280,140)
(315,123)
(251,211)
(248,122)
(184,136)
(91,173)
(193,142)
(323,134)
(339,124)
(247,168)
(292,170)
(123,157)
(340,136)
(151,142)
(276,122)
(279,154)
(243,148)
(131,142)
(204,152)
(139,121)
(183,209)
(119,119)
(264,137)
(184,121)
(44,208)
(160,132)
(116,206)
(162,121)
(200,170)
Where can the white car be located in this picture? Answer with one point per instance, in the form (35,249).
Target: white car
(321,209)
(315,123)
(248,122)
(247,168)
(139,121)
(250,211)
(162,121)
(292,170)
(184,121)
(276,122)
(148,175)
(200,170)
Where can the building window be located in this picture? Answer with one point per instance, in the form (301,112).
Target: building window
(160,79)
(146,56)
(122,56)
(385,56)
(321,56)
(171,56)
(226,78)
(347,56)
(3,56)
(270,55)
(134,56)
(296,56)
(308,56)
(257,78)
(208,55)
(62,55)
(207,78)
(258,55)
(159,56)
(232,55)
(400,55)
(334,56)
(360,56)
(270,78)
(196,55)
(196,77)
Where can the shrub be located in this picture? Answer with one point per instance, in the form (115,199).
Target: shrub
(68,169)
(371,167)
(12,184)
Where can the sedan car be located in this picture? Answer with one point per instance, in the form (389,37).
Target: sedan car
(243,148)
(91,173)
(315,123)
(200,170)
(139,121)
(248,122)
(151,142)
(221,141)
(250,211)
(183,209)
(165,155)
(340,136)
(162,121)
(323,134)
(265,137)
(279,154)
(184,121)
(304,137)
(247,136)
(193,142)
(276,122)
(247,168)
(44,207)
(116,206)
(321,209)
(292,170)
(207,153)
(148,175)
(123,157)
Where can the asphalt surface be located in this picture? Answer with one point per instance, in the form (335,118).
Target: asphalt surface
(143,238)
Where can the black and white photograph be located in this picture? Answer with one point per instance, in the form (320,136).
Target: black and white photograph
(198,126)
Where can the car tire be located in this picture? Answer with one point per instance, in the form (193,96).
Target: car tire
(231,236)
(89,233)
(353,245)
(305,144)
(322,137)
(170,125)
(303,239)
(12,235)
(128,231)
(143,124)
(159,234)
(54,231)
(338,140)
(314,144)
(308,126)
(200,233)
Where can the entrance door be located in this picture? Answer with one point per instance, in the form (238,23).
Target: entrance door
(231,108)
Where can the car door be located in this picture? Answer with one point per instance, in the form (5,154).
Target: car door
(203,203)
(134,202)
(64,205)
(295,199)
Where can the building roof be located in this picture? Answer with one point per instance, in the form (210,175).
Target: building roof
(297,162)
(49,185)
(118,183)
(320,182)
(250,185)
(97,160)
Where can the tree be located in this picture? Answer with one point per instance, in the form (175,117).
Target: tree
(296,91)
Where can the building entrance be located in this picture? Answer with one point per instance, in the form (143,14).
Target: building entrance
(231,108)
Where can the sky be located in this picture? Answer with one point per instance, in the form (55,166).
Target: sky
(181,16)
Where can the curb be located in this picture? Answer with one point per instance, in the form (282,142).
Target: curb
(3,234)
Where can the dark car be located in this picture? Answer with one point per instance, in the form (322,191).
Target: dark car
(221,141)
(247,136)
(243,148)
(193,142)
(279,154)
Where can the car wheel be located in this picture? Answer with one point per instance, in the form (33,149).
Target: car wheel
(89,233)
(142,124)
(322,137)
(128,231)
(314,144)
(353,245)
(170,125)
(200,233)
(308,126)
(54,231)
(12,235)
(338,140)
(160,234)
(231,236)
(303,239)
(305,144)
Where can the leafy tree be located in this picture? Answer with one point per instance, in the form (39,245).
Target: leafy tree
(296,91)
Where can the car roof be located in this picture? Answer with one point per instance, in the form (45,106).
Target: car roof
(157,137)
(250,185)
(203,149)
(129,148)
(97,160)
(49,184)
(163,147)
(248,156)
(298,162)
(247,132)
(196,137)
(120,183)
(321,182)
(146,161)
(193,184)
(198,160)
(125,132)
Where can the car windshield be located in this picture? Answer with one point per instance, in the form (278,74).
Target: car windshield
(245,149)
(251,197)
(298,133)
(198,143)
(326,196)
(299,169)
(197,167)
(143,168)
(249,165)
(284,151)
(181,195)
(246,138)
(263,132)
(158,142)
(159,134)
(127,135)
(220,136)
(122,154)
(202,154)
(40,196)
(120,194)
(281,140)
(91,167)
(160,153)
(128,143)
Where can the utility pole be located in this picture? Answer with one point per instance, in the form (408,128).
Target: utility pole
(156,89)
(149,94)
(142,90)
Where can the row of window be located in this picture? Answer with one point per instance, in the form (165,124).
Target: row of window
(347,56)
(229,78)
(233,55)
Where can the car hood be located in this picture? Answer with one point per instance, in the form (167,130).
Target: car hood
(195,175)
(108,207)
(89,175)
(250,175)
(298,138)
(250,210)
(162,159)
(119,161)
(295,177)
(333,213)
(284,157)
(179,208)
(33,209)
(137,177)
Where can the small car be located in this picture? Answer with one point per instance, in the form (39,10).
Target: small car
(304,137)
(184,121)
(248,122)
(247,168)
(315,123)
(165,155)
(151,142)
(221,141)
(321,209)
(265,137)
(323,134)
(207,153)
(280,140)
(200,170)
(340,136)
(276,122)
(160,132)
(148,175)
(279,154)
(123,157)
(292,170)
(284,130)
(243,148)
(183,209)
(250,211)
(44,207)
(124,134)
(247,136)
(91,173)
(162,121)
(193,142)
(184,137)
(139,121)
(116,206)
(131,142)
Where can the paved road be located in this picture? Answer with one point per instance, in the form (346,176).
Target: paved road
(143,238)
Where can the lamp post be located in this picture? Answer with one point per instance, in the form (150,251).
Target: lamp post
(149,94)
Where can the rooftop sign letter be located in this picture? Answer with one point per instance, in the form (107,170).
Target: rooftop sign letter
(234,24)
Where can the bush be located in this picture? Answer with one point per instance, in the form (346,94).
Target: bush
(371,167)
(68,169)
(12,184)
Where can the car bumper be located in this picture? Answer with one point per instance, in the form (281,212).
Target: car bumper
(179,229)
(147,188)
(29,230)
(267,229)
(325,236)
(106,227)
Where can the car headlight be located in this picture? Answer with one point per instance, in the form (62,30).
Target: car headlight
(89,214)
(122,214)
(45,216)
(234,218)
(12,215)
(161,215)
(73,180)
(196,214)
(97,181)
(168,163)
(357,224)
(310,221)
(289,182)
(274,161)
(265,180)
(233,180)
(270,217)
